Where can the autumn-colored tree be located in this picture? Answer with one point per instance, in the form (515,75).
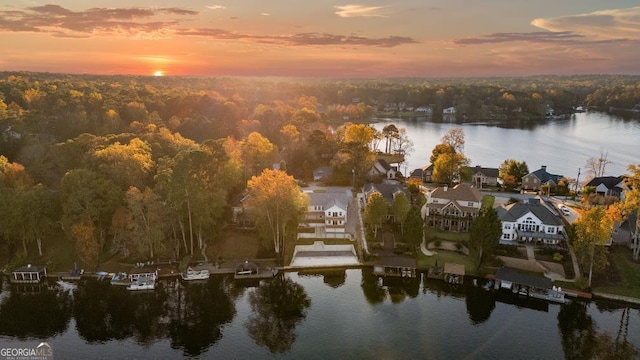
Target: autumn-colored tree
(592,230)
(88,201)
(128,165)
(449,168)
(276,205)
(513,171)
(257,153)
(400,209)
(376,211)
(146,225)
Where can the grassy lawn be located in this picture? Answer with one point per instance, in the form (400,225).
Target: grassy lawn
(444,256)
(434,234)
(628,271)
(488,201)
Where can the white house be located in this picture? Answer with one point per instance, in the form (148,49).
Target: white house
(608,185)
(530,222)
(327,212)
(449,110)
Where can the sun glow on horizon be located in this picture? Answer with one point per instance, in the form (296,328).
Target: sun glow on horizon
(158,73)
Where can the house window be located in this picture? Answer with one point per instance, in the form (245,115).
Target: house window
(535,181)
(470,204)
(435,201)
(507,226)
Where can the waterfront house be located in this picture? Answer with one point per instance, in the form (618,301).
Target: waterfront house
(327,212)
(423,173)
(28,274)
(382,169)
(452,209)
(626,232)
(481,176)
(388,191)
(530,222)
(449,111)
(535,180)
(608,185)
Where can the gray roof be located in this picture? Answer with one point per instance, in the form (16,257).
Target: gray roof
(386,190)
(461,192)
(328,199)
(512,212)
(609,181)
(514,276)
(30,268)
(384,164)
(488,172)
(545,177)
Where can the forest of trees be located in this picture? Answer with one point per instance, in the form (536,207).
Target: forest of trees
(149,166)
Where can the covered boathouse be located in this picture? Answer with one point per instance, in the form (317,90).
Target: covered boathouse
(527,285)
(28,274)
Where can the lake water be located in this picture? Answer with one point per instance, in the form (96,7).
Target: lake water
(562,145)
(337,315)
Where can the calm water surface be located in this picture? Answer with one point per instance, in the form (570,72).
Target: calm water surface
(562,145)
(339,315)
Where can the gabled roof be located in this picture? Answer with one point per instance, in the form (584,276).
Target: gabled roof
(329,199)
(488,172)
(386,190)
(513,212)
(384,164)
(460,192)
(512,275)
(544,176)
(609,181)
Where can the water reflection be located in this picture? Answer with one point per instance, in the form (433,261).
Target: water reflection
(198,313)
(278,306)
(104,312)
(34,312)
(334,278)
(480,303)
(191,318)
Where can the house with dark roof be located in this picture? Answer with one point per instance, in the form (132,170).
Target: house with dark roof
(382,169)
(535,180)
(530,222)
(626,232)
(481,176)
(608,185)
(327,212)
(423,173)
(452,209)
(387,190)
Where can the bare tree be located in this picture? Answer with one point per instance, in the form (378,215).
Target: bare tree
(596,166)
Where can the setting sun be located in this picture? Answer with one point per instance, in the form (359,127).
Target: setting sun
(158,73)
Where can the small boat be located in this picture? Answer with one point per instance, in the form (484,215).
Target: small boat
(66,286)
(192,274)
(142,283)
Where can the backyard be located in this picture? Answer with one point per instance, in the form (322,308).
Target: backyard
(623,275)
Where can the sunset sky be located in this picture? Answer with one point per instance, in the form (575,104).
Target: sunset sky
(400,38)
